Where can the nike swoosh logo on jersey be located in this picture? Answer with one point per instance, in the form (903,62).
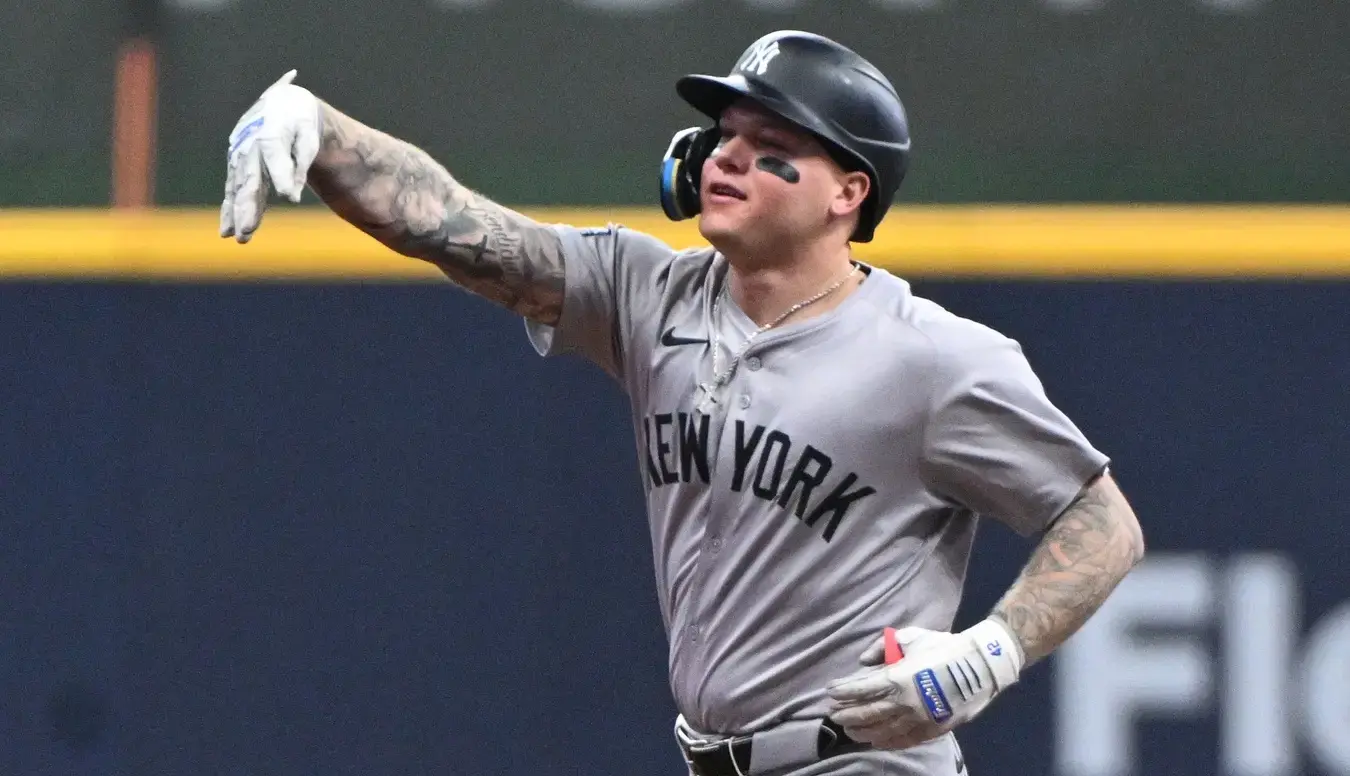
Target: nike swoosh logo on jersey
(670,340)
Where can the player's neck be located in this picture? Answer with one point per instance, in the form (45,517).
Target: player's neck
(766,290)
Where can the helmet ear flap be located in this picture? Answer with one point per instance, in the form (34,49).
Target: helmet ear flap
(682,171)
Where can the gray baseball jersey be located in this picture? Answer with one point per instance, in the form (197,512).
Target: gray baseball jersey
(833,490)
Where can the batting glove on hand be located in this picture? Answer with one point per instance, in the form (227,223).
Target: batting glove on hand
(273,144)
(943,680)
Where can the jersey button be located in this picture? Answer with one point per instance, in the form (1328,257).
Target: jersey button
(716,544)
(753,364)
(745,400)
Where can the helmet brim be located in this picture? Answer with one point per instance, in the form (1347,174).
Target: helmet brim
(711,95)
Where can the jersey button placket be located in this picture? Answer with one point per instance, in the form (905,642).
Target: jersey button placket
(715,518)
(752,364)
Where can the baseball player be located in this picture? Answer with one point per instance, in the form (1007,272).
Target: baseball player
(815,441)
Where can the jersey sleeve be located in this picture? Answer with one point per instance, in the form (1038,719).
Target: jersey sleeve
(611,279)
(997,445)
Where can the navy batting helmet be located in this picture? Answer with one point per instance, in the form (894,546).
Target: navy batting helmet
(818,85)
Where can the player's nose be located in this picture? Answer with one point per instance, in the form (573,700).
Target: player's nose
(733,155)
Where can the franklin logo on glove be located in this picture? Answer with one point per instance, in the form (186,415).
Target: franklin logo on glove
(933,698)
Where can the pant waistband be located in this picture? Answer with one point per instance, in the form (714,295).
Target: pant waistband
(794,743)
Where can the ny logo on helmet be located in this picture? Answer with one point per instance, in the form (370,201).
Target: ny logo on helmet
(759,56)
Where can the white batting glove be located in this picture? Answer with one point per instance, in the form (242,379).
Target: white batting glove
(273,144)
(943,680)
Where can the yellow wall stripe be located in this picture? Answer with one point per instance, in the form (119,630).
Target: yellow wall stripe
(1072,241)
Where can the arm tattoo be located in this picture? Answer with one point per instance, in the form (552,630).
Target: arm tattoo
(402,197)
(1079,561)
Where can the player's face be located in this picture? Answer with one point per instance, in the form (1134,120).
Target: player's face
(770,186)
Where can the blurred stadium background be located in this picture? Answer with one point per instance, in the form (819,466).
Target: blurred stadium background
(289,509)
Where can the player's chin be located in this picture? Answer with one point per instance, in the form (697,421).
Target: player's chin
(724,220)
(716,226)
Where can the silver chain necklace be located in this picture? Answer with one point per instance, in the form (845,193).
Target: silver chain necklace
(720,378)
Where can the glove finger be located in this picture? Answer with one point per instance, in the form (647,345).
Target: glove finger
(227,203)
(910,639)
(866,686)
(875,654)
(306,150)
(261,194)
(280,167)
(885,713)
(885,732)
(919,638)
(867,715)
(901,724)
(873,736)
(895,741)
(904,738)
(282,81)
(251,195)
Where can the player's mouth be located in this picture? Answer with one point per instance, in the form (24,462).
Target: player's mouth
(724,192)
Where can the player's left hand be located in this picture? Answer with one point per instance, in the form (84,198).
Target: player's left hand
(943,680)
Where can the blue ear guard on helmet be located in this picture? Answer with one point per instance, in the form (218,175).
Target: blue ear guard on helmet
(682,169)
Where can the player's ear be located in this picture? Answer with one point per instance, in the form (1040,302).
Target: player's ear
(853,190)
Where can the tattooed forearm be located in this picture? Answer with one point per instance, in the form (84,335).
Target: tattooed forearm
(399,195)
(1079,561)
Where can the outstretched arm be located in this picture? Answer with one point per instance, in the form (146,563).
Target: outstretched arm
(1080,559)
(398,194)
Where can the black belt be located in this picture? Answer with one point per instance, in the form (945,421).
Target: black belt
(731,756)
